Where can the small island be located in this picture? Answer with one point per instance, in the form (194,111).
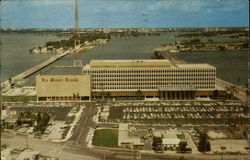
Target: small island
(86,41)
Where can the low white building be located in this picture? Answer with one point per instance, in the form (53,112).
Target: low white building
(170,141)
(127,140)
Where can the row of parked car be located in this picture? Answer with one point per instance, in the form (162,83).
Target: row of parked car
(28,130)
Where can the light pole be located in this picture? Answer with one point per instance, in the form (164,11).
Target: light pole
(27,144)
(222,148)
(138,155)
(132,152)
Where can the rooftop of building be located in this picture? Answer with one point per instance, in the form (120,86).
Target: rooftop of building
(129,63)
(202,65)
(168,136)
(123,136)
(156,63)
(12,119)
(63,70)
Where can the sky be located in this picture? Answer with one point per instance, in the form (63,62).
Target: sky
(124,13)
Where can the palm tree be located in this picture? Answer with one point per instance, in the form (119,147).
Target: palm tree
(216,94)
(102,88)
(21,117)
(228,92)
(234,90)
(108,95)
(138,94)
(94,87)
(231,91)
(247,93)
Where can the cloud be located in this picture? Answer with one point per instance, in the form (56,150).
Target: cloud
(154,6)
(106,6)
(191,6)
(226,6)
(176,5)
(233,5)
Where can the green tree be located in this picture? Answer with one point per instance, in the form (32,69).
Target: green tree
(231,91)
(221,48)
(210,41)
(195,41)
(10,81)
(43,122)
(182,146)
(204,145)
(216,94)
(157,143)
(38,117)
(102,93)
(138,94)
(108,95)
(181,158)
(28,114)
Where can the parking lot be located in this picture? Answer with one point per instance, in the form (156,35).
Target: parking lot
(61,116)
(59,110)
(179,113)
(231,145)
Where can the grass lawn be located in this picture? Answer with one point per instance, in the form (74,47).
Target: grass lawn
(106,138)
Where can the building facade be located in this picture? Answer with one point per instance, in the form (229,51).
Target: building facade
(150,78)
(64,87)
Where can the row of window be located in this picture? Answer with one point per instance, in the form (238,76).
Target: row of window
(151,75)
(146,87)
(149,71)
(154,83)
(52,98)
(154,79)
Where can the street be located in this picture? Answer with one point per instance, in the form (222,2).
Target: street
(45,147)
(86,122)
(69,151)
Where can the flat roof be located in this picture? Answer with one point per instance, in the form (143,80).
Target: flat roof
(130,63)
(191,65)
(171,141)
(124,138)
(147,64)
(12,119)
(63,70)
